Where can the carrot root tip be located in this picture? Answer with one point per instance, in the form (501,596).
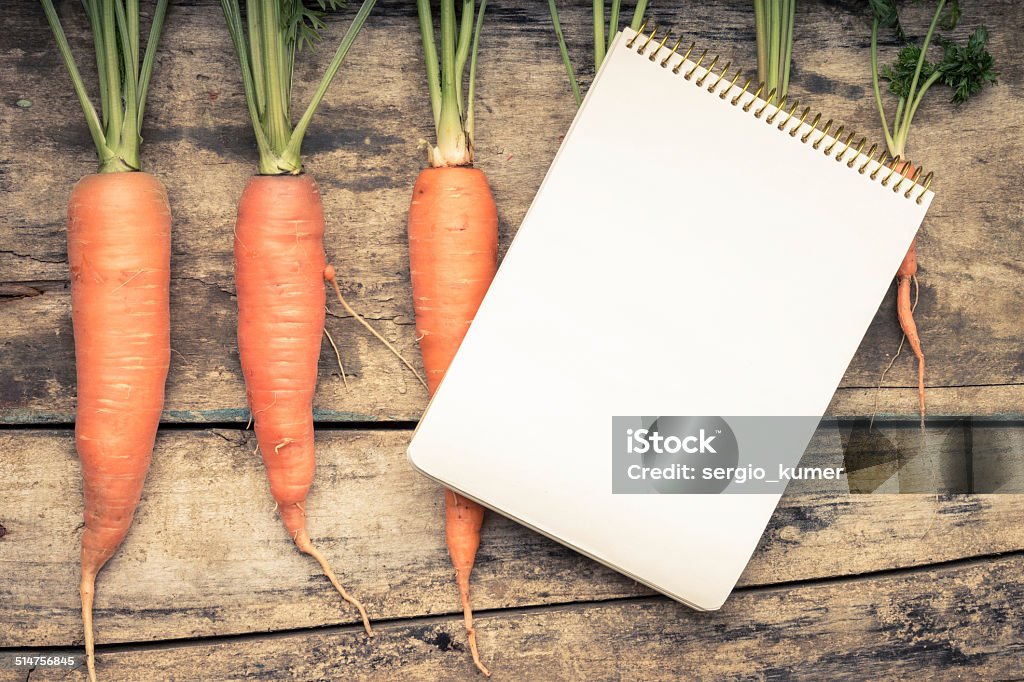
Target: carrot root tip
(88,589)
(303,542)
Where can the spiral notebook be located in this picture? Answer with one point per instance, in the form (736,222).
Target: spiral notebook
(696,248)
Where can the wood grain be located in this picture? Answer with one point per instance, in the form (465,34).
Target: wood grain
(363,151)
(945,623)
(207,556)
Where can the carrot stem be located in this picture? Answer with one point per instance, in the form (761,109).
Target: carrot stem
(560,36)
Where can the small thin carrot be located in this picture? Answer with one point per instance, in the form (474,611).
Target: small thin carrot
(966,69)
(453,246)
(453,253)
(905,313)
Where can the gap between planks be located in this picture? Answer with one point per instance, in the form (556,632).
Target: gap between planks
(439,618)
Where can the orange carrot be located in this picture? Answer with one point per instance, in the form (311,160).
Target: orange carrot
(966,69)
(453,252)
(279,275)
(453,243)
(905,314)
(119,257)
(119,250)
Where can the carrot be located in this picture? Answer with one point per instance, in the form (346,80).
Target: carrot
(964,68)
(280,266)
(453,248)
(119,250)
(904,310)
(453,253)
(119,258)
(279,275)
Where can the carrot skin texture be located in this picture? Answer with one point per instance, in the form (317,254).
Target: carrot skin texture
(279,264)
(904,310)
(279,278)
(453,256)
(119,251)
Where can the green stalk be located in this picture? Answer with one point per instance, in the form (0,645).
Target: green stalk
(898,116)
(111,60)
(901,127)
(278,128)
(889,142)
(761,31)
(129,151)
(638,15)
(430,57)
(150,57)
(565,52)
(462,45)
(451,136)
(233,17)
(471,96)
(91,118)
(613,22)
(775,41)
(93,13)
(924,50)
(123,82)
(292,155)
(454,119)
(787,55)
(599,45)
(256,56)
(912,109)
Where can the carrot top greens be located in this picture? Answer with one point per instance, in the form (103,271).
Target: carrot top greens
(266,43)
(453,114)
(964,68)
(602,39)
(123,79)
(773,21)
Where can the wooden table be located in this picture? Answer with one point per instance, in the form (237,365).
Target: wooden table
(208,586)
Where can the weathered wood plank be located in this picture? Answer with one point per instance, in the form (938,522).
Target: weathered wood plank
(207,556)
(363,151)
(950,623)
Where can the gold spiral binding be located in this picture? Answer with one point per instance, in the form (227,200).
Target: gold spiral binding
(814,124)
(881,164)
(714,86)
(914,179)
(803,116)
(696,65)
(760,88)
(860,148)
(664,62)
(871,155)
(710,71)
(771,96)
(735,78)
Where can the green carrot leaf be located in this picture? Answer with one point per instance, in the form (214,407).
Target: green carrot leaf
(969,68)
(900,73)
(952,15)
(887,15)
(302,23)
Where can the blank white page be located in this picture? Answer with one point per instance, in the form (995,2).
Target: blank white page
(682,257)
